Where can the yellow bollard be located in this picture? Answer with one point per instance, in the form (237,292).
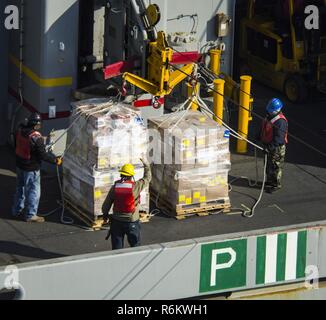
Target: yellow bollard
(192,93)
(216,61)
(244,114)
(219,100)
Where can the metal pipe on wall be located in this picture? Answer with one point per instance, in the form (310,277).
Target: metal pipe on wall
(21,61)
(3,75)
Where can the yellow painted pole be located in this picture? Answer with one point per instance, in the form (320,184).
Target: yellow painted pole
(244,114)
(192,93)
(219,100)
(216,61)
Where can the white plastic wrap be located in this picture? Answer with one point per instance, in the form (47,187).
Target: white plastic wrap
(105,136)
(192,159)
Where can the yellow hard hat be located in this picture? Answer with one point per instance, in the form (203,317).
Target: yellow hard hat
(128,170)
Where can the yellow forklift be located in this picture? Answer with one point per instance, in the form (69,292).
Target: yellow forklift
(277,49)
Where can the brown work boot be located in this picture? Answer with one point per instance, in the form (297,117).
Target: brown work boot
(36,219)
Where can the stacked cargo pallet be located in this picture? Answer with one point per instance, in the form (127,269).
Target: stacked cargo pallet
(104,137)
(191,164)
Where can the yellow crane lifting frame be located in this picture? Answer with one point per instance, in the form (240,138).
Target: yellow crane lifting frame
(160,80)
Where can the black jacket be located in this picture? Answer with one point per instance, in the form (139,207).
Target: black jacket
(38,153)
(279,133)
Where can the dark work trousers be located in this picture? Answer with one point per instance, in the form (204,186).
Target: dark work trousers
(275,165)
(120,229)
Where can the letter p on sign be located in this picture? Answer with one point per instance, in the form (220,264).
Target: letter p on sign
(223,266)
(216,266)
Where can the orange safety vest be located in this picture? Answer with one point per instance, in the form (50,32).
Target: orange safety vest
(267,131)
(124,200)
(23,144)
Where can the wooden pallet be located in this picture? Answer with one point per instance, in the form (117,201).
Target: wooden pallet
(96,224)
(181,212)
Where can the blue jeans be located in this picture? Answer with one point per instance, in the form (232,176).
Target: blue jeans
(120,229)
(28,193)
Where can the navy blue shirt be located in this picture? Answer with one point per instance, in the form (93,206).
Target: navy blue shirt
(280,130)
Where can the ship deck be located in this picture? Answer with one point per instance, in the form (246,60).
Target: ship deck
(302,200)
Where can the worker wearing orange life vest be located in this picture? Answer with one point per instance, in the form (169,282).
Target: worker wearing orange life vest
(124,196)
(274,136)
(30,152)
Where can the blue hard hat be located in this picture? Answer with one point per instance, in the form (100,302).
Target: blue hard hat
(274,106)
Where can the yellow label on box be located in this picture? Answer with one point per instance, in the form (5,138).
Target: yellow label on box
(186,143)
(201,142)
(212,183)
(188,201)
(220,181)
(196,195)
(97,194)
(202,199)
(182,198)
(102,162)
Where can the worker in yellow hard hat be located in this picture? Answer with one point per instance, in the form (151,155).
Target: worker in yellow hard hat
(128,170)
(124,196)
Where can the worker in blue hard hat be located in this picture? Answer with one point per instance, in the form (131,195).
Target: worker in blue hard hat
(30,152)
(274,136)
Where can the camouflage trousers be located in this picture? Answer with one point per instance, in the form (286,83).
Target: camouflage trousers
(275,165)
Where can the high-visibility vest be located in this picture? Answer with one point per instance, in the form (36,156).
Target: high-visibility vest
(124,200)
(267,132)
(23,144)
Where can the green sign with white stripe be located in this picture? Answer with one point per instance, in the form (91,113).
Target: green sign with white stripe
(272,258)
(281,257)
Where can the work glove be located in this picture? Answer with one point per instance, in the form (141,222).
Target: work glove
(107,220)
(58,161)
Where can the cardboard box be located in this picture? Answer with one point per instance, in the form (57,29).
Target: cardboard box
(182,197)
(216,193)
(101,142)
(199,195)
(184,159)
(200,157)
